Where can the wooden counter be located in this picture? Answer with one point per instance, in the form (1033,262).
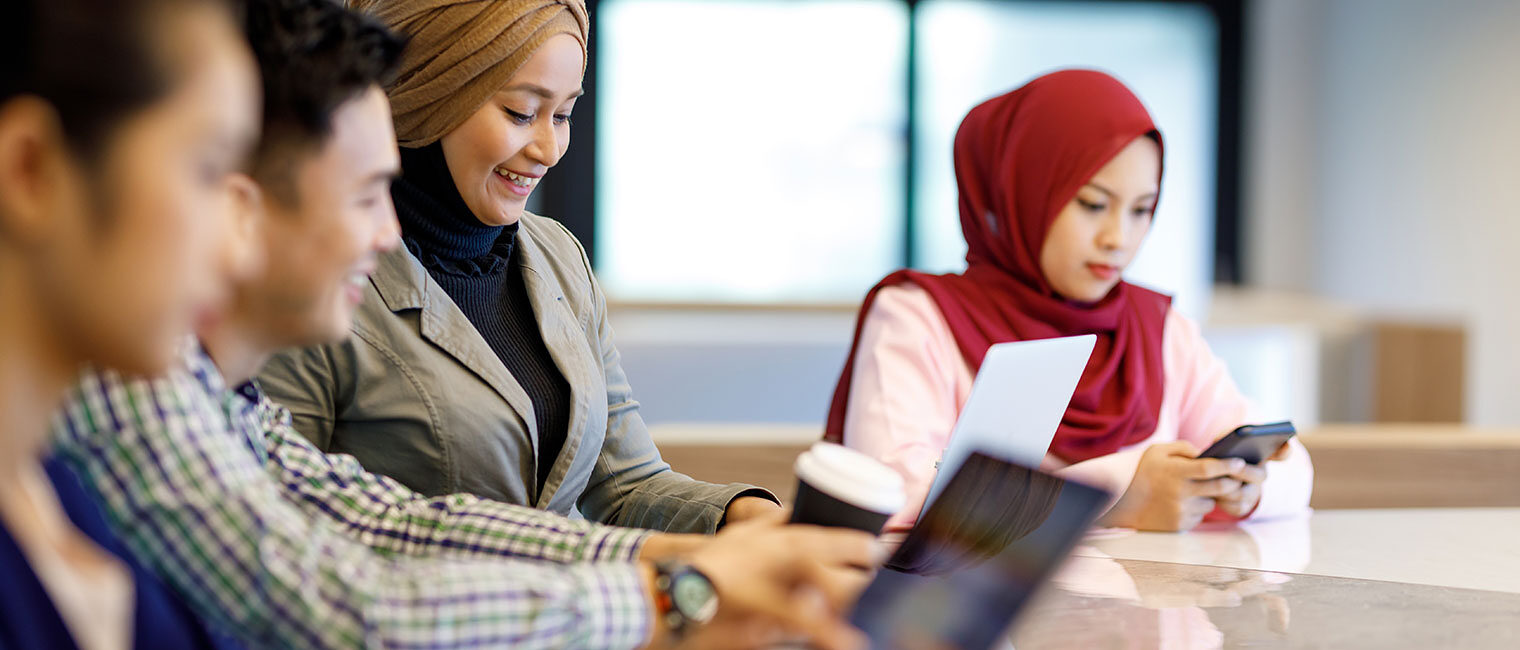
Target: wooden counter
(1356,466)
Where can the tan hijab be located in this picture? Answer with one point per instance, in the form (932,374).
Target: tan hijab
(460,52)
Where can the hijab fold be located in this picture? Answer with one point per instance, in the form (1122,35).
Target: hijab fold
(1019,159)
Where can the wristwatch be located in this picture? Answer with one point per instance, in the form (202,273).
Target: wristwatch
(685,597)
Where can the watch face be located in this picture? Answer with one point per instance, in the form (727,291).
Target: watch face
(693,594)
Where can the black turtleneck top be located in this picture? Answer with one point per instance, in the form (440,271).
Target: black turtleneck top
(475,266)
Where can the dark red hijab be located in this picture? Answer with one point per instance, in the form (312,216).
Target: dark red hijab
(1019,158)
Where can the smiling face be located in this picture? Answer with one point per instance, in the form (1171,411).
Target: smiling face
(499,154)
(1098,232)
(323,239)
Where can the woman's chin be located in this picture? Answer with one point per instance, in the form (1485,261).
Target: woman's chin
(1088,295)
(503,216)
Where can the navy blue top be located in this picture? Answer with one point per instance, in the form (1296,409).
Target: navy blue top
(28,618)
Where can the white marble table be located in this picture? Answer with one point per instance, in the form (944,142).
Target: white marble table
(1467,548)
(1375,579)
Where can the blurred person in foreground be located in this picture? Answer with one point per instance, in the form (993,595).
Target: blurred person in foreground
(120,122)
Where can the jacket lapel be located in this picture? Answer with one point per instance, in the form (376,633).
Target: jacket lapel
(404,284)
(564,337)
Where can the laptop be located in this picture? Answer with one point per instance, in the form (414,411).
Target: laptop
(1016,404)
(976,557)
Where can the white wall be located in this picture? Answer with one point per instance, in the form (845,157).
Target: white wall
(1382,167)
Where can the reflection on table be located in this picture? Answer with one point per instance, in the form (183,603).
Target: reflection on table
(1425,578)
(1468,548)
(1108,603)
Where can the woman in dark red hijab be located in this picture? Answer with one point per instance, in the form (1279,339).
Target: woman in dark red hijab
(1058,183)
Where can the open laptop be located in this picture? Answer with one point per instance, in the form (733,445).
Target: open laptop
(976,557)
(1021,393)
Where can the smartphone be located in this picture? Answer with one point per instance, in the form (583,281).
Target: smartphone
(1252,443)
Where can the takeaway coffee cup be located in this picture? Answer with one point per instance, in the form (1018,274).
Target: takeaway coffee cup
(838,486)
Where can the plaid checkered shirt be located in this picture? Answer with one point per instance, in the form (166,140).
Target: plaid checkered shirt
(284,545)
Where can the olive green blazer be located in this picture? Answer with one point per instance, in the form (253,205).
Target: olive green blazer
(418,395)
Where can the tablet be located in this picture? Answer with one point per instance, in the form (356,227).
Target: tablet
(976,557)
(1016,403)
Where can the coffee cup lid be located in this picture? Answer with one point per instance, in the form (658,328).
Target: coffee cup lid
(852,477)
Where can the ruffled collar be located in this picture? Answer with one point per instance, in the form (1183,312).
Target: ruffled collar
(437,226)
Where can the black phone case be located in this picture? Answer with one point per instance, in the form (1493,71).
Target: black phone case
(1253,443)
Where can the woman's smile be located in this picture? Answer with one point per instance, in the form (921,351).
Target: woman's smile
(519,184)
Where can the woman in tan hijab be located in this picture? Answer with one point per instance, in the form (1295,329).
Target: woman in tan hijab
(483,360)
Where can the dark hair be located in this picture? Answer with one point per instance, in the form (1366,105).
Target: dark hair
(94,61)
(314,55)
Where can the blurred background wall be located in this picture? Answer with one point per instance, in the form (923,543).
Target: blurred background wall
(1383,168)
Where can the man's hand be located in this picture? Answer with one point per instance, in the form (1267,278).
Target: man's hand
(667,546)
(778,582)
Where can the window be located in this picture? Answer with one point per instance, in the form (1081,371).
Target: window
(749,151)
(783,151)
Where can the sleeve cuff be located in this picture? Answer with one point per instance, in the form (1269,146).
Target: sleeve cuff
(747,492)
(752,491)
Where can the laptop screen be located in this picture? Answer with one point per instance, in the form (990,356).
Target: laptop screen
(975,557)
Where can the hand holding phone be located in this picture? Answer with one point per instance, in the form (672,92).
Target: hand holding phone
(1253,443)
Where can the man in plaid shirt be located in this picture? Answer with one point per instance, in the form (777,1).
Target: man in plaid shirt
(283,545)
